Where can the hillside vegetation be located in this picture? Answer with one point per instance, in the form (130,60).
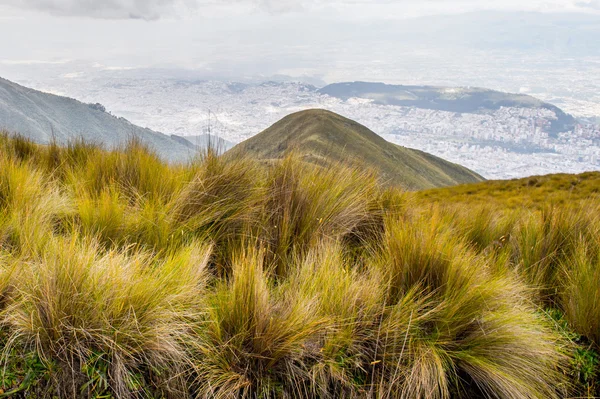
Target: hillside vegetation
(322,137)
(530,192)
(124,277)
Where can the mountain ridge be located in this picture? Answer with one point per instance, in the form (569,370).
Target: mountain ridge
(45,117)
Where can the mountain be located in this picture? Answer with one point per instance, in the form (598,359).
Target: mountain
(322,136)
(43,117)
(455,99)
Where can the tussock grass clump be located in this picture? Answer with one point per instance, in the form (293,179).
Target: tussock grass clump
(456,330)
(135,170)
(221,201)
(306,203)
(76,153)
(18,147)
(352,302)
(105,323)
(103,216)
(484,227)
(256,340)
(543,241)
(29,205)
(581,296)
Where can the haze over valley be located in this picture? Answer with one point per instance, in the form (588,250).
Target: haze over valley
(233,76)
(498,142)
(240,80)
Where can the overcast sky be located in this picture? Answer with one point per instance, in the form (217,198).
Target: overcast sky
(155,9)
(295,37)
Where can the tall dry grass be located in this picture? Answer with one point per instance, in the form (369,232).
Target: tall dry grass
(457,329)
(126,317)
(124,277)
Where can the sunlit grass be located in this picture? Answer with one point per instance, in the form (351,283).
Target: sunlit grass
(122,276)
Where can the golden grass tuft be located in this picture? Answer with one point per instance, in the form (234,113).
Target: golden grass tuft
(255,341)
(455,329)
(77,308)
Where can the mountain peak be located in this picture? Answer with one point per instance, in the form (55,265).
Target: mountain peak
(322,136)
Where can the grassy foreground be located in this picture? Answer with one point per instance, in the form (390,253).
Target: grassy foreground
(123,277)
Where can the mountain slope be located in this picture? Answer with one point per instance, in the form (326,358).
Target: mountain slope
(322,136)
(42,117)
(531,192)
(463,100)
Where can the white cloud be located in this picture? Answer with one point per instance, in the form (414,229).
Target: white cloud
(155,9)
(593,4)
(255,12)
(34,62)
(106,9)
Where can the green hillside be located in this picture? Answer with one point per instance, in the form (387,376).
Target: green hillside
(321,137)
(529,192)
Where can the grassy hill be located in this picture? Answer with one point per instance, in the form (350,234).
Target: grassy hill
(122,276)
(322,137)
(529,192)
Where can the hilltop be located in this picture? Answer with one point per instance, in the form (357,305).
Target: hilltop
(321,137)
